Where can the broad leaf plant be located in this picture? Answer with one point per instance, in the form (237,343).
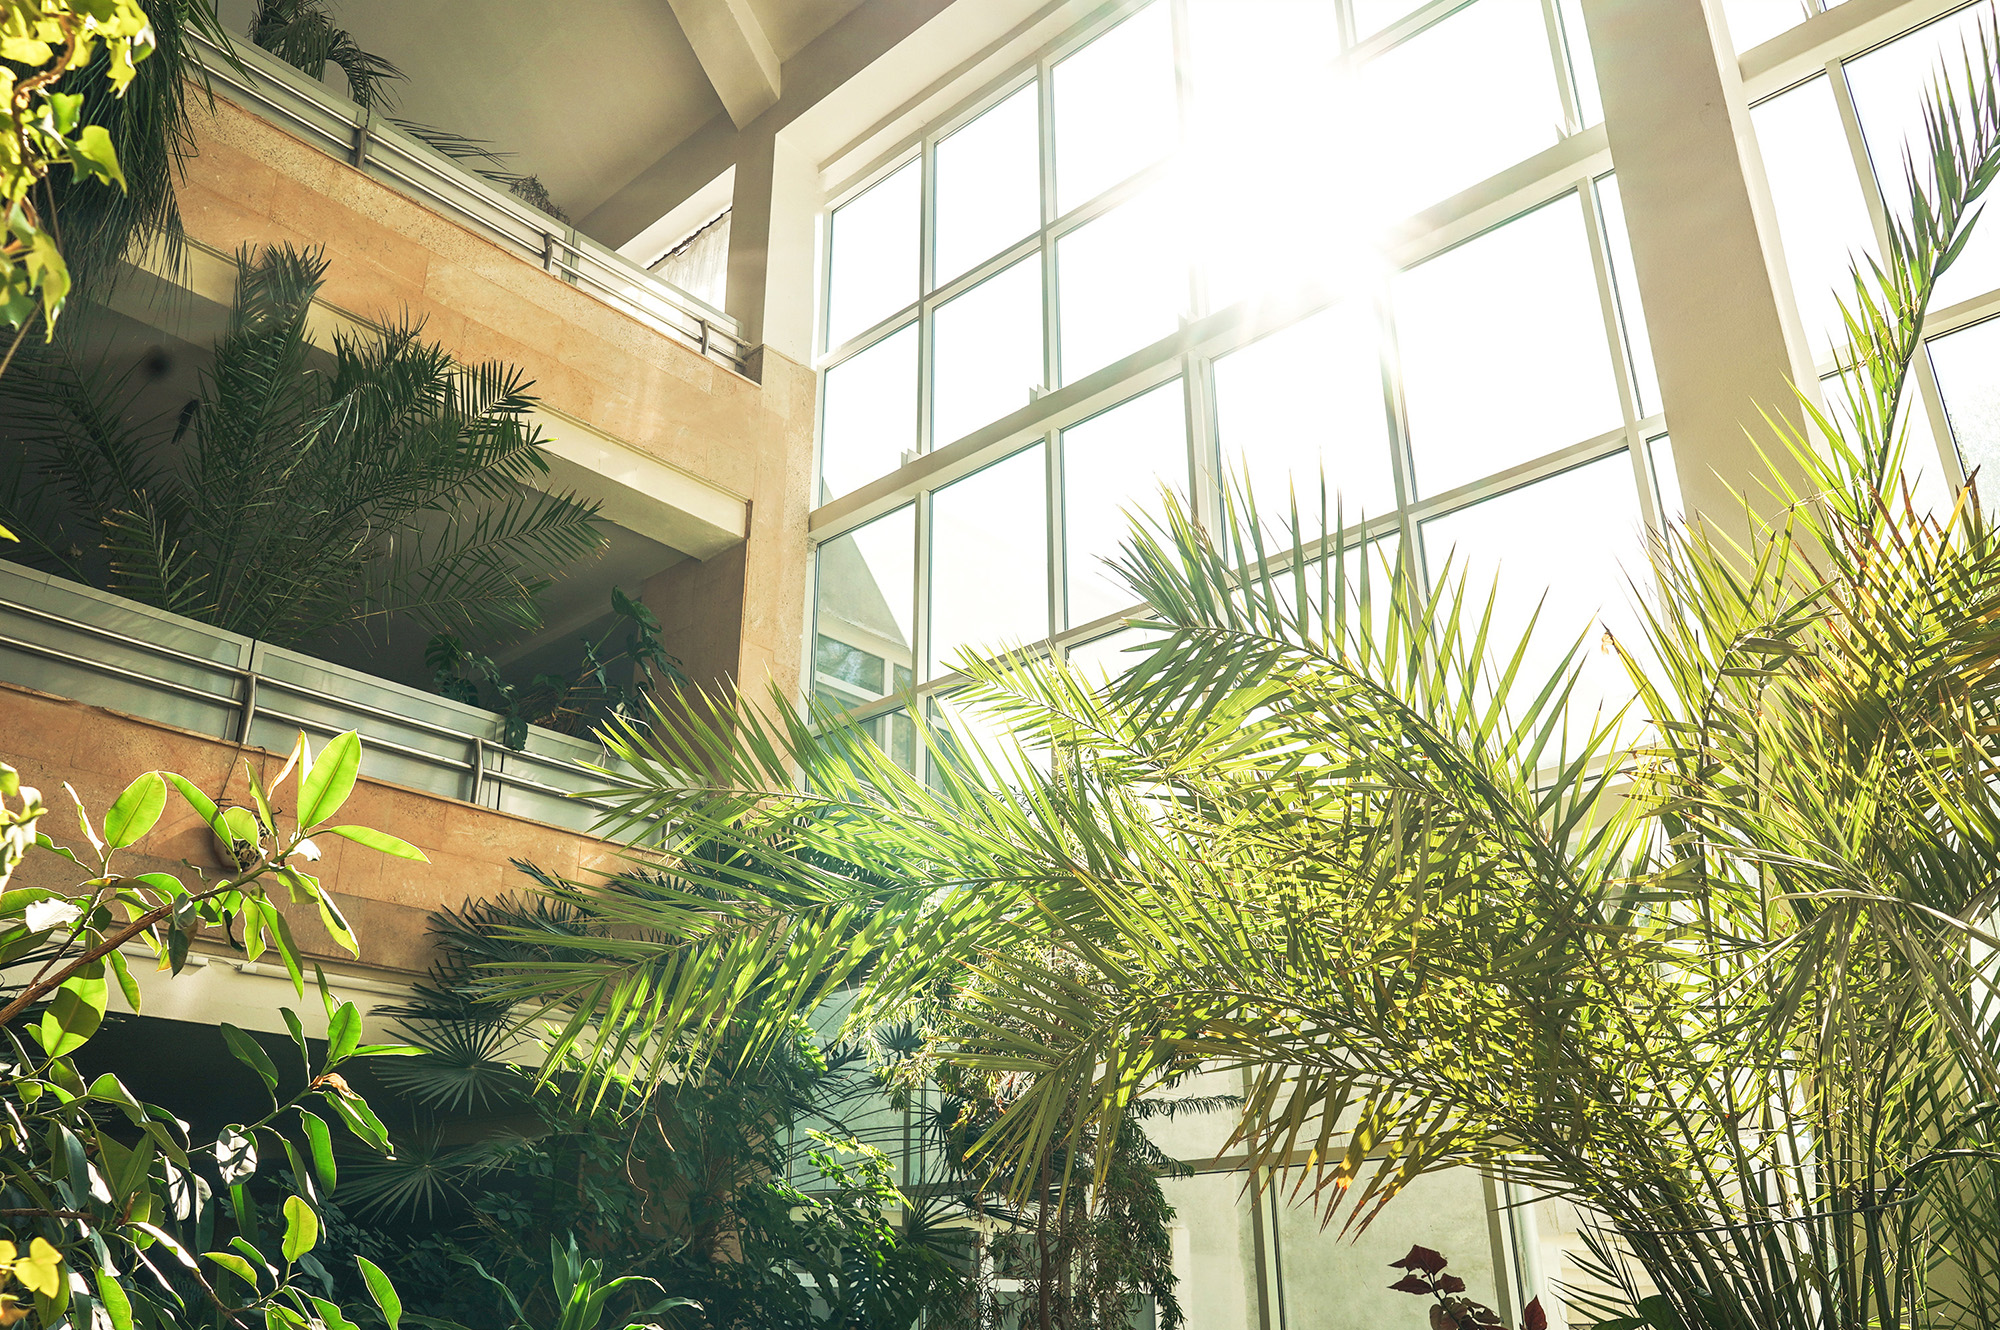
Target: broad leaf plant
(41,129)
(108,1216)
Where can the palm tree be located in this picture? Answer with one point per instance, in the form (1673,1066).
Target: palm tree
(292,498)
(1717,968)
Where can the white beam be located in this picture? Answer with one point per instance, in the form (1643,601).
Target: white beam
(735,53)
(638,492)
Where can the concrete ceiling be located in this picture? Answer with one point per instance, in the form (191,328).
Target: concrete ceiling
(585,94)
(791,25)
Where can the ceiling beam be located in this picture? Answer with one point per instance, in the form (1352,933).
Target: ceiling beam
(735,53)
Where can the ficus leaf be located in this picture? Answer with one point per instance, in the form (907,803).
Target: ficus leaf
(330,781)
(134,812)
(301,1228)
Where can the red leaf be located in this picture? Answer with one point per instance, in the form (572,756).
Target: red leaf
(1534,1318)
(1451,1284)
(1420,1258)
(1412,1283)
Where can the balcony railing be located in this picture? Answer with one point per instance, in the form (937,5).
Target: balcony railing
(58,637)
(310,111)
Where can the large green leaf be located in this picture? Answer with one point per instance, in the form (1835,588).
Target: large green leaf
(301,1228)
(73,1016)
(135,812)
(326,787)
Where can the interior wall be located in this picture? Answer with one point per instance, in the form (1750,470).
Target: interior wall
(251,184)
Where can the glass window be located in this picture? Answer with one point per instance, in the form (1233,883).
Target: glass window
(1503,350)
(863,610)
(1822,216)
(1304,402)
(1582,68)
(1113,467)
(1752,22)
(1666,479)
(1371,568)
(1567,547)
(1967,364)
(1116,110)
(843,661)
(868,425)
(1468,96)
(1261,222)
(1625,282)
(986,357)
(971,732)
(873,260)
(990,560)
(1890,87)
(1108,657)
(1371,16)
(1923,461)
(1121,282)
(989,191)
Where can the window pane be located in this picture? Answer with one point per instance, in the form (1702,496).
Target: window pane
(1890,87)
(1108,657)
(987,353)
(1113,467)
(1666,479)
(989,191)
(1304,401)
(1122,284)
(834,659)
(1582,68)
(1754,21)
(869,425)
(1115,107)
(1968,374)
(863,610)
(1822,218)
(1923,460)
(990,560)
(874,256)
(1465,98)
(1371,16)
(983,743)
(1576,539)
(1262,223)
(1625,281)
(1503,349)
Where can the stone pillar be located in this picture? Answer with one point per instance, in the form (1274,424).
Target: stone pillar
(1711,276)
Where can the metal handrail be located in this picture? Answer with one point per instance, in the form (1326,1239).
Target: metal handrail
(381,151)
(245,703)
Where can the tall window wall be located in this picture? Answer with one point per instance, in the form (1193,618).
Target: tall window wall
(1833,137)
(1205,241)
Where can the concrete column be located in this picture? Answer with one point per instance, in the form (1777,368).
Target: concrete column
(772,232)
(735,619)
(1710,273)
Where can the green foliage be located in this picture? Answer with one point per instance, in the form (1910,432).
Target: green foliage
(302,33)
(1720,970)
(289,500)
(44,126)
(688,1185)
(150,129)
(599,692)
(106,1203)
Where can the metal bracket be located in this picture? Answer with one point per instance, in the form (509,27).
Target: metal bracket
(249,715)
